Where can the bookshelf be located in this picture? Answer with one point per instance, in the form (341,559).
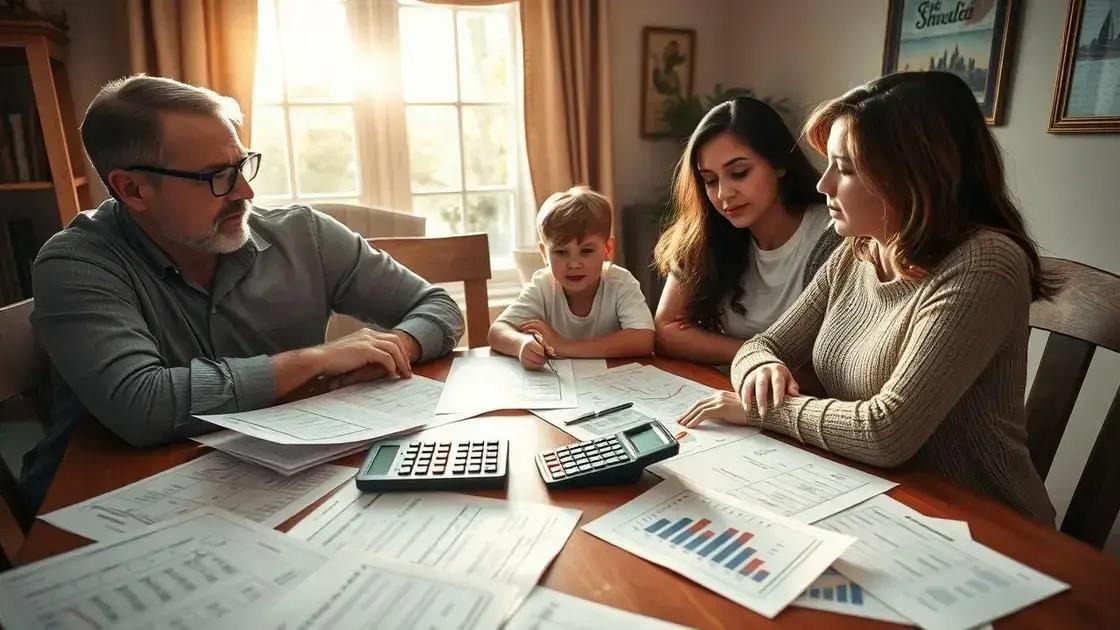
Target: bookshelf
(43,183)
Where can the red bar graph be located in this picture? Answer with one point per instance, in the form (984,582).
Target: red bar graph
(751,566)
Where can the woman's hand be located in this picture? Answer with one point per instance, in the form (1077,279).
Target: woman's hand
(767,386)
(724,406)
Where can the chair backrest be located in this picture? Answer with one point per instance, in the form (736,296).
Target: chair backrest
(23,368)
(1084,315)
(437,259)
(373,222)
(22,362)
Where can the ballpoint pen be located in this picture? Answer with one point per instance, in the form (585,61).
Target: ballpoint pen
(598,414)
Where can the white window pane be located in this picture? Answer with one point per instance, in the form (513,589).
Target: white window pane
(319,54)
(323,141)
(484,55)
(492,213)
(428,54)
(486,140)
(444,213)
(270,140)
(433,147)
(268,83)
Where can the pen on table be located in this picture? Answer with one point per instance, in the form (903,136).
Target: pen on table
(547,359)
(598,414)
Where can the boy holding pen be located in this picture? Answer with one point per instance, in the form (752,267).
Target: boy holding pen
(580,305)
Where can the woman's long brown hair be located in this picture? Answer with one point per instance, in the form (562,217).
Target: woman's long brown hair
(703,251)
(919,141)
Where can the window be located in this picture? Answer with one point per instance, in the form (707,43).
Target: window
(321,74)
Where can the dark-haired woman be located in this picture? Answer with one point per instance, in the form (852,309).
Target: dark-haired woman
(748,232)
(917,326)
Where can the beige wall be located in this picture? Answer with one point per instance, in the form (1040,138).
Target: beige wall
(811,50)
(641,167)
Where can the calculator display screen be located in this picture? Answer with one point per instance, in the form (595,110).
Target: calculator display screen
(383,461)
(646,441)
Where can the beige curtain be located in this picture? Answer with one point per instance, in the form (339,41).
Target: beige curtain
(212,43)
(567,96)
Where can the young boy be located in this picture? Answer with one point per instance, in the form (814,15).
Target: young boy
(580,305)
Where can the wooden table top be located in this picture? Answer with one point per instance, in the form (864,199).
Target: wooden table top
(97,462)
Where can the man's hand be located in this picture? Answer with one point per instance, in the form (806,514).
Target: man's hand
(409,347)
(364,350)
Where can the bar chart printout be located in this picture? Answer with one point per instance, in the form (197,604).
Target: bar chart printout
(835,593)
(761,561)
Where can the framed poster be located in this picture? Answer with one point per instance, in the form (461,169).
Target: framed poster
(668,61)
(970,38)
(1087,90)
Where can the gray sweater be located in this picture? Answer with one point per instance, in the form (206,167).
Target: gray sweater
(929,372)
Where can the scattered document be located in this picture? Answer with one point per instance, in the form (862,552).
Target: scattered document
(929,576)
(286,459)
(215,479)
(655,393)
(763,472)
(833,592)
(758,560)
(511,542)
(586,368)
(547,609)
(362,412)
(479,384)
(184,573)
(358,590)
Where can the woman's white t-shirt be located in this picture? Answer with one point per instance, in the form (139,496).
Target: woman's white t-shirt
(774,279)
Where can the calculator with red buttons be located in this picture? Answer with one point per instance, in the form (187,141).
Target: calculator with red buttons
(610,459)
(420,465)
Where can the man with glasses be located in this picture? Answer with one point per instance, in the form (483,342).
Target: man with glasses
(177,297)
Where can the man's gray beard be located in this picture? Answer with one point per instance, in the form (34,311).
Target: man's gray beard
(218,243)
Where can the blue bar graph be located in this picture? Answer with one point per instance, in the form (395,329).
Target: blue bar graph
(734,546)
(699,540)
(719,540)
(737,560)
(658,525)
(676,527)
(761,575)
(849,593)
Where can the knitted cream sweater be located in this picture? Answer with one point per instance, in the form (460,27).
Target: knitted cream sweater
(930,372)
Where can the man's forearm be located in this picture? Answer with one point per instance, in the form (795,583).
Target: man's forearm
(294,368)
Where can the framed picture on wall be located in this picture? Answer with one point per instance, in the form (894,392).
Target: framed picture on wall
(1087,91)
(970,38)
(668,61)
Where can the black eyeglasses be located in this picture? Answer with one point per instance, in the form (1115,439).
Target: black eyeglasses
(221,181)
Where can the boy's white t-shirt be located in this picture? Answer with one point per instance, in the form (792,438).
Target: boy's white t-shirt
(618,305)
(774,279)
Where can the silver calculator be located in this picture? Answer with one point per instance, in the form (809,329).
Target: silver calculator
(430,465)
(609,459)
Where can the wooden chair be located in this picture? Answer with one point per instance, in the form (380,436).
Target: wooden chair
(23,370)
(438,259)
(370,222)
(1084,315)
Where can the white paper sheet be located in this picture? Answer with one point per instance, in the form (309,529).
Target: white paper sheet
(480,384)
(187,573)
(215,479)
(512,542)
(654,392)
(833,592)
(758,560)
(547,609)
(358,590)
(362,412)
(586,368)
(286,459)
(929,576)
(767,473)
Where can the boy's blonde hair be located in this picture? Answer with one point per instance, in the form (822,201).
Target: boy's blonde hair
(574,214)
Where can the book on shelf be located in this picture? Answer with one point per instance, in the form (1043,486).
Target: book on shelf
(19,146)
(23,151)
(7,154)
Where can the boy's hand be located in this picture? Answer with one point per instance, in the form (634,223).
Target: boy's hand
(551,341)
(531,354)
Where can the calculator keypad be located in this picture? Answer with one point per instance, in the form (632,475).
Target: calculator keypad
(584,457)
(441,459)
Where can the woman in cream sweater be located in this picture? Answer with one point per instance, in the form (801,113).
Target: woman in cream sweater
(917,325)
